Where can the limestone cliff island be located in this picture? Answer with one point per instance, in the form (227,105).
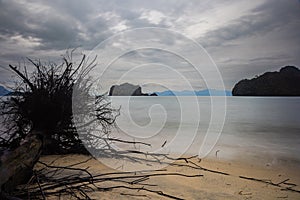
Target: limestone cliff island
(127,89)
(286,82)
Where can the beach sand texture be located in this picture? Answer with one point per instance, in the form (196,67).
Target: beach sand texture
(211,185)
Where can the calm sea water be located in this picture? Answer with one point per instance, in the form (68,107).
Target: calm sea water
(264,130)
(260,130)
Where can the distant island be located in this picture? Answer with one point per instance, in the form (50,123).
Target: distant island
(286,82)
(206,92)
(4,91)
(127,89)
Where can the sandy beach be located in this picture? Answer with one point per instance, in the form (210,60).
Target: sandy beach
(219,180)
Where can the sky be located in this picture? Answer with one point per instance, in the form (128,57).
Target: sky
(238,39)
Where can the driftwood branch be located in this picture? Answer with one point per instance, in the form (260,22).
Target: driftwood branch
(53,180)
(269,182)
(16,164)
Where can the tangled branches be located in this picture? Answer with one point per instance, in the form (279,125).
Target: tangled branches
(43,102)
(78,182)
(88,179)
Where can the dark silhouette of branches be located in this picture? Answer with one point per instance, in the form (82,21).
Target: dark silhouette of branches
(44,103)
(39,118)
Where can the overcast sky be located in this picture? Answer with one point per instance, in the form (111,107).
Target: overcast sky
(243,38)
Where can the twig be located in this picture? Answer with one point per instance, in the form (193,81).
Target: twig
(271,183)
(69,168)
(133,195)
(41,189)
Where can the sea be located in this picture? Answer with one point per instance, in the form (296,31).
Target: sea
(260,130)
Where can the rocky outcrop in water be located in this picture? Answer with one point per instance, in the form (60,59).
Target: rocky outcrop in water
(286,82)
(127,89)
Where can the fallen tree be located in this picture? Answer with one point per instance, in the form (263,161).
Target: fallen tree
(44,103)
(38,118)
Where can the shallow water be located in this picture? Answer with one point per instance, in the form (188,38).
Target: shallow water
(260,130)
(264,130)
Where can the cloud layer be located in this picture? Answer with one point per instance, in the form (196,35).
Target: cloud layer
(244,38)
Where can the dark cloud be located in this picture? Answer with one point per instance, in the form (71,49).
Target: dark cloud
(44,29)
(12,18)
(263,19)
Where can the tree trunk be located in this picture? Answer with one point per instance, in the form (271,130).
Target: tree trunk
(16,166)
